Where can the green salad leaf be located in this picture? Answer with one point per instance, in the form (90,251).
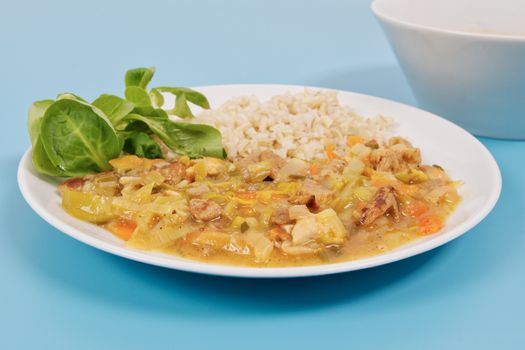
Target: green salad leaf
(77,139)
(138,96)
(182,96)
(72,137)
(142,145)
(156,97)
(34,118)
(193,140)
(139,77)
(114,107)
(181,108)
(193,96)
(70,96)
(41,161)
(136,125)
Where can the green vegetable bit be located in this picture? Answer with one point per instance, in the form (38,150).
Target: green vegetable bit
(244,227)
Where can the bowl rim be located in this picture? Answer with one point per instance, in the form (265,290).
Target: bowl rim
(382,15)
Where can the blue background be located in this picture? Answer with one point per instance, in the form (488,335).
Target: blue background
(56,293)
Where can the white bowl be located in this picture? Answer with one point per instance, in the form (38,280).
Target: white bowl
(464,59)
(441,142)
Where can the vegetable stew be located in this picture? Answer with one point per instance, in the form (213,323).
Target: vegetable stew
(265,210)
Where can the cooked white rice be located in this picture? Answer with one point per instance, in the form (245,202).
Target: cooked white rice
(292,125)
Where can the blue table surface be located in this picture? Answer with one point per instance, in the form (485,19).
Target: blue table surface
(57,293)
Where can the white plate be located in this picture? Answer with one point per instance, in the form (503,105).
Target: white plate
(441,142)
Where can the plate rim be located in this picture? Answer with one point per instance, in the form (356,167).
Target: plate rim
(165,260)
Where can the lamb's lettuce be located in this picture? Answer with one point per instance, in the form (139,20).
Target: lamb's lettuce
(139,77)
(192,140)
(72,137)
(182,96)
(142,145)
(34,118)
(70,96)
(41,161)
(138,96)
(156,98)
(77,139)
(114,107)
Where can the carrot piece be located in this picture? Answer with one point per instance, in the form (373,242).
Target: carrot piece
(368,172)
(416,208)
(313,170)
(279,196)
(123,228)
(354,140)
(246,194)
(430,224)
(329,150)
